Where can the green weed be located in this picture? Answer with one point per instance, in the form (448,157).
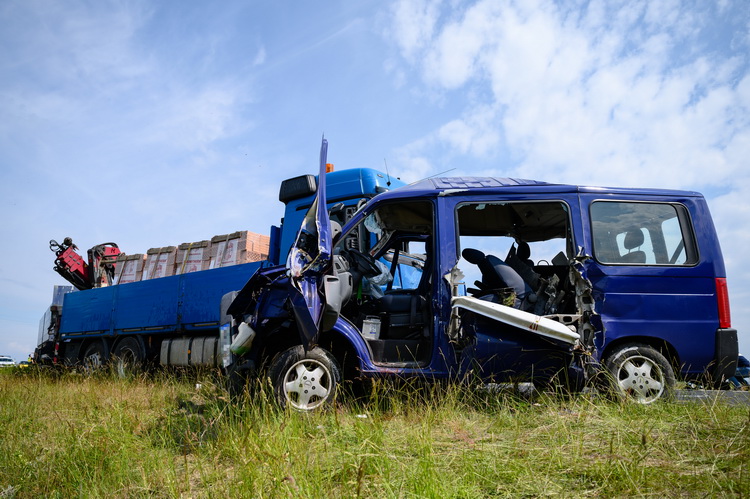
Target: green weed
(181,435)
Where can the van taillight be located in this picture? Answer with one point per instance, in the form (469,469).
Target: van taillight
(722,298)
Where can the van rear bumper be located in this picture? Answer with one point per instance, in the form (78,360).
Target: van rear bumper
(725,358)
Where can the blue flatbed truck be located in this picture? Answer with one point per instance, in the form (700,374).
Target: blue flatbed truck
(175,320)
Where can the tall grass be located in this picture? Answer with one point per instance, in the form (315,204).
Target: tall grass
(66,435)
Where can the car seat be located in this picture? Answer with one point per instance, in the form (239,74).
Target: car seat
(633,239)
(497,275)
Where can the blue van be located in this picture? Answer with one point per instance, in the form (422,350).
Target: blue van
(496,279)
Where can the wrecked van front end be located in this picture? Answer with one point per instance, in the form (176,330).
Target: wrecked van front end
(402,308)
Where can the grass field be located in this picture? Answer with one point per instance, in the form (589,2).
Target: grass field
(65,435)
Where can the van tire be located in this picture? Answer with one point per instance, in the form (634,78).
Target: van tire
(304,381)
(640,372)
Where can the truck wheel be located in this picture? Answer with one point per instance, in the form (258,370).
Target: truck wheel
(94,357)
(129,357)
(640,372)
(238,376)
(304,380)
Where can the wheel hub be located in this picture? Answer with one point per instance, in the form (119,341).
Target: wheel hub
(307,384)
(641,378)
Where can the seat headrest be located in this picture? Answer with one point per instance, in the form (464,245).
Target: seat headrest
(523,252)
(633,239)
(335,229)
(472,255)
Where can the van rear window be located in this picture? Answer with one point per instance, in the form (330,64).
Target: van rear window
(636,233)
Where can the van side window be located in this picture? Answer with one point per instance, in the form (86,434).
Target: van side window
(517,253)
(635,233)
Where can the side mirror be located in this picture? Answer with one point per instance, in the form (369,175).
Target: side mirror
(337,212)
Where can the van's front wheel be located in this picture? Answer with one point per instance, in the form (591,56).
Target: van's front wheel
(640,372)
(304,380)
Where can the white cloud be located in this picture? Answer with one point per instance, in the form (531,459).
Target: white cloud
(414,23)
(411,166)
(451,58)
(578,94)
(113,91)
(192,119)
(474,134)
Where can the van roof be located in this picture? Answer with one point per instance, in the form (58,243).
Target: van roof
(445,186)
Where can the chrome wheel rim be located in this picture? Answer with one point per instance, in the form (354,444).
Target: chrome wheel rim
(125,364)
(307,384)
(93,362)
(641,378)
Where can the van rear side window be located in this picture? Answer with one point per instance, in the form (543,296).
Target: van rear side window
(636,233)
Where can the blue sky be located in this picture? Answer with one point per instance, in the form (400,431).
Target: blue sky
(156,123)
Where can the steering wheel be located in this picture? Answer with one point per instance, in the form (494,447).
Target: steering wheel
(364,263)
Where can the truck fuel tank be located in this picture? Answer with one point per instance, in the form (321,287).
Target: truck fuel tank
(195,351)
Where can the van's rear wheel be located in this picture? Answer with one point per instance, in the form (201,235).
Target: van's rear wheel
(640,372)
(304,380)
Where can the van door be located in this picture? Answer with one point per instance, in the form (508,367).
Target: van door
(652,282)
(309,262)
(390,256)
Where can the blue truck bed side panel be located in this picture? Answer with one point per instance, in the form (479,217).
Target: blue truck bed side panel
(188,301)
(88,311)
(149,303)
(202,292)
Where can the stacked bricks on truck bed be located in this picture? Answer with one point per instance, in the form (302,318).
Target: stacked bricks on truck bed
(192,257)
(238,247)
(221,251)
(160,262)
(129,268)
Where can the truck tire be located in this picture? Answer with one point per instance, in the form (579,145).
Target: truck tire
(239,376)
(304,381)
(640,372)
(128,356)
(94,357)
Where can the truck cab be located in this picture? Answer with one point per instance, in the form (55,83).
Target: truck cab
(500,280)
